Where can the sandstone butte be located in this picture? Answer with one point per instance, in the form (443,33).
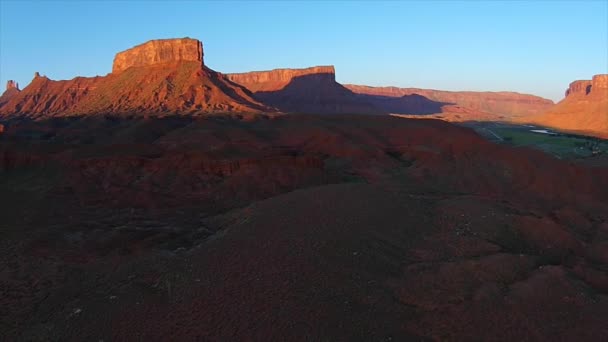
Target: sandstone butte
(583,110)
(309,90)
(160,76)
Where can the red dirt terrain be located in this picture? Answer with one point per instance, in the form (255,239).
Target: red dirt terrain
(294,227)
(583,110)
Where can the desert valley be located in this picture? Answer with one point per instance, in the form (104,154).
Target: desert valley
(170,201)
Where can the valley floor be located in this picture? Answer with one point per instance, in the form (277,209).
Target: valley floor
(300,227)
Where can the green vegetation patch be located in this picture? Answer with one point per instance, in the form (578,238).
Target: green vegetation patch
(559,145)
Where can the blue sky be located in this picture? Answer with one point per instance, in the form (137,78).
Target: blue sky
(533,47)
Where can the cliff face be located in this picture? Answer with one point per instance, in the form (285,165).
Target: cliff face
(161,76)
(310,90)
(599,84)
(496,105)
(278,78)
(584,109)
(158,52)
(581,87)
(10,84)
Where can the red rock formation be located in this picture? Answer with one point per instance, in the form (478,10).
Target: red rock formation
(583,110)
(494,105)
(278,78)
(161,76)
(310,90)
(579,88)
(10,84)
(12,88)
(159,51)
(599,83)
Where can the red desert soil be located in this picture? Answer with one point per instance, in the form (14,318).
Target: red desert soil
(583,110)
(298,227)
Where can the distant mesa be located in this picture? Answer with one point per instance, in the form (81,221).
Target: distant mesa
(308,90)
(468,104)
(158,52)
(277,79)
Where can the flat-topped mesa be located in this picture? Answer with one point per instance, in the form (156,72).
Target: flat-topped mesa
(10,84)
(278,78)
(159,51)
(580,87)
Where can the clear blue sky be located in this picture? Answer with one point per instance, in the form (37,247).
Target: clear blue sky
(533,47)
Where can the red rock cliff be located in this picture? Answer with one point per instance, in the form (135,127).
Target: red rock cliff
(10,84)
(503,105)
(276,79)
(600,83)
(580,87)
(159,51)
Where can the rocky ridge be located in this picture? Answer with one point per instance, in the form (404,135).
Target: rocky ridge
(160,76)
(494,105)
(583,110)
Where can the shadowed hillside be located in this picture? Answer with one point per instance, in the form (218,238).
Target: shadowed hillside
(278,228)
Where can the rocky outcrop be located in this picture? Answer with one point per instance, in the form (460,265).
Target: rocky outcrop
(159,51)
(12,89)
(599,82)
(278,78)
(10,84)
(583,110)
(580,87)
(597,85)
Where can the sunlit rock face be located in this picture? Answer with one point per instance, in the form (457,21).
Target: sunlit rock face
(159,51)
